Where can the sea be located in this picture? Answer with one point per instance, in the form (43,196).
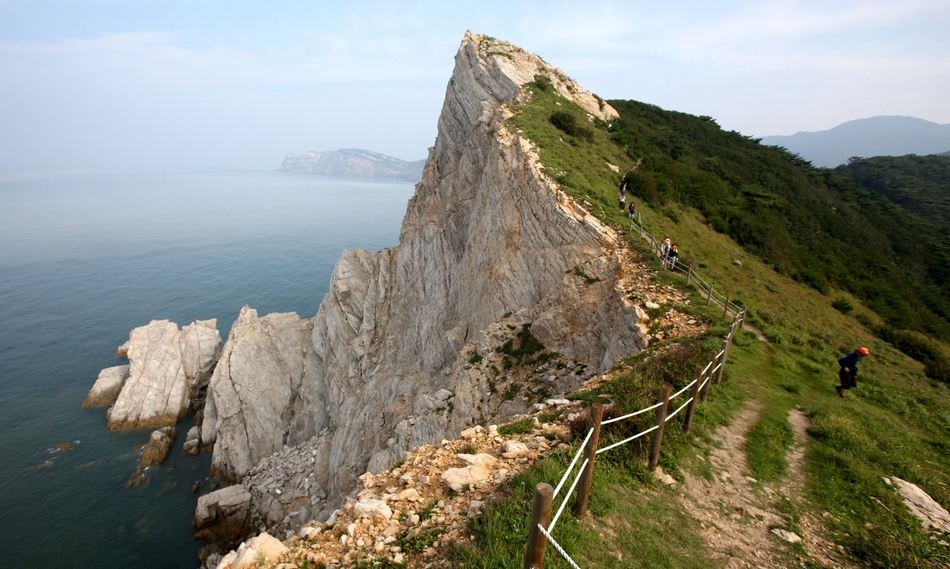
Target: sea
(86,257)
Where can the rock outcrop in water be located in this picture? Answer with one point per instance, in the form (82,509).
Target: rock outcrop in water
(488,243)
(165,366)
(107,387)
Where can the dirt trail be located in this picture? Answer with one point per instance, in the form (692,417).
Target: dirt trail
(737,514)
(734,519)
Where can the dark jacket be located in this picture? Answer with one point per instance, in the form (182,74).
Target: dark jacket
(850,361)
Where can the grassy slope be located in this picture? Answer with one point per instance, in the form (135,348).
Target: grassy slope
(896,423)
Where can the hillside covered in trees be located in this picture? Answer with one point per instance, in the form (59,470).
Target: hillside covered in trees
(876,228)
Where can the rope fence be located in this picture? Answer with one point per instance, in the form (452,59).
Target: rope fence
(542,525)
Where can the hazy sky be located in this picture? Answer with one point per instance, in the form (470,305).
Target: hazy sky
(170,85)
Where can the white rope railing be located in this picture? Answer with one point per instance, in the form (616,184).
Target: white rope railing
(570,467)
(558,548)
(682,391)
(705,381)
(706,377)
(628,439)
(678,409)
(567,497)
(634,414)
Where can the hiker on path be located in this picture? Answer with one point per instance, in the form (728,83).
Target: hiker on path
(622,198)
(664,248)
(632,212)
(849,370)
(673,255)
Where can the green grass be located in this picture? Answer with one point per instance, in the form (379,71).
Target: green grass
(521,427)
(897,422)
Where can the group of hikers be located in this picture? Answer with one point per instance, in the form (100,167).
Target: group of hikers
(669,255)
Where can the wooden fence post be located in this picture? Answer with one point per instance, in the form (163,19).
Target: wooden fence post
(704,392)
(694,393)
(709,296)
(661,412)
(541,514)
(689,273)
(722,362)
(725,308)
(587,477)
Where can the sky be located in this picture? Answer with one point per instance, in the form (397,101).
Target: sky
(172,85)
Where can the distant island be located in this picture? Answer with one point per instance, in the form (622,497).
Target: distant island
(874,136)
(353,162)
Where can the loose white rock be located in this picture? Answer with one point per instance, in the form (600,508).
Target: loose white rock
(370,507)
(786,535)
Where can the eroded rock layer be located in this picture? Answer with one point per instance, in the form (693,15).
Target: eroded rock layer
(384,366)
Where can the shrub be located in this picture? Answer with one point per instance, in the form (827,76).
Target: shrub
(565,122)
(542,83)
(842,305)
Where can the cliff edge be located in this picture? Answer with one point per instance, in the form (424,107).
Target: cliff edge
(297,409)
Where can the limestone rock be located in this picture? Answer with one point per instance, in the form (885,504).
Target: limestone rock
(370,508)
(264,546)
(461,479)
(165,365)
(382,367)
(192,440)
(931,514)
(107,387)
(786,535)
(480,459)
(224,512)
(514,449)
(157,447)
(408,495)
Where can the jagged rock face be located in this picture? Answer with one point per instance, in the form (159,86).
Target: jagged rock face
(486,235)
(165,364)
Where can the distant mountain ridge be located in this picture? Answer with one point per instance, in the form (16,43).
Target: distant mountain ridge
(874,136)
(353,162)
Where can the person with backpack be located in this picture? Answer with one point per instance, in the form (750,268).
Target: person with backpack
(849,370)
(672,256)
(632,212)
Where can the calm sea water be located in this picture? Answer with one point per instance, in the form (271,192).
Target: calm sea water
(85,258)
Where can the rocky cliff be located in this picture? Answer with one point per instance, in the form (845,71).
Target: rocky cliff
(489,245)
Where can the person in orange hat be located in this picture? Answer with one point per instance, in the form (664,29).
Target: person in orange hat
(849,370)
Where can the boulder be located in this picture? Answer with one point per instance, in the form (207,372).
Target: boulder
(263,548)
(514,449)
(786,535)
(106,389)
(223,513)
(930,513)
(165,364)
(480,459)
(408,495)
(192,440)
(157,447)
(372,508)
(461,479)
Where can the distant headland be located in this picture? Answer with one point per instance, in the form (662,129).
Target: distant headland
(353,162)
